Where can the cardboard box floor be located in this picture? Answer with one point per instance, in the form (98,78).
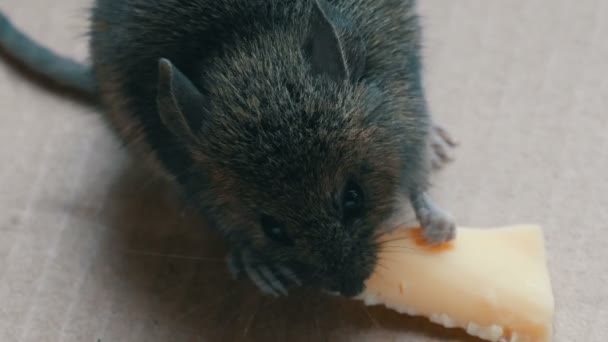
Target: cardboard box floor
(94,249)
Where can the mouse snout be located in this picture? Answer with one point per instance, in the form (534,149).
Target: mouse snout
(347,275)
(349,286)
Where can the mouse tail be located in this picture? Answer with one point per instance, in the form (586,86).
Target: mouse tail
(44,62)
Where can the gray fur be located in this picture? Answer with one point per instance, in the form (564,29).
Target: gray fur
(268,108)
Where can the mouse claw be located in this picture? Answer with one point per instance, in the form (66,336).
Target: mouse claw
(257,276)
(234,267)
(442,146)
(437,225)
(438,228)
(263,276)
(272,280)
(289,274)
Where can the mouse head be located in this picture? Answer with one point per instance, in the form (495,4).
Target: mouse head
(302,161)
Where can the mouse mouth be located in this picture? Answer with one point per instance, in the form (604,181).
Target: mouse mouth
(348,279)
(345,281)
(345,284)
(348,289)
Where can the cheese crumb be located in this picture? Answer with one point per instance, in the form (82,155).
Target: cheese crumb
(444,320)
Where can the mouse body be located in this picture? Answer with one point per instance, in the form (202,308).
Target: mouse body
(298,128)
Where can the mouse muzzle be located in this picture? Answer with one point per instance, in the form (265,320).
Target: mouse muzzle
(347,269)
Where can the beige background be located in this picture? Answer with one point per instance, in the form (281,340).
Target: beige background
(92,249)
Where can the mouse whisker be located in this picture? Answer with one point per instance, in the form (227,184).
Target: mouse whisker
(174,256)
(251,320)
(400,251)
(380,246)
(379,264)
(318,328)
(396,249)
(153,179)
(397,239)
(386,256)
(198,307)
(380,272)
(371,318)
(390,245)
(381,232)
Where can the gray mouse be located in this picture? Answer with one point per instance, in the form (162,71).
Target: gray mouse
(299,128)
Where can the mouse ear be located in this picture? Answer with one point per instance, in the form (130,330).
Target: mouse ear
(180,104)
(332,46)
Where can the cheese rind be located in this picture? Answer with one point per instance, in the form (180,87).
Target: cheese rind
(493,283)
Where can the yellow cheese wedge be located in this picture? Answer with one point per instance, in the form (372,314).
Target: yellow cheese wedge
(493,283)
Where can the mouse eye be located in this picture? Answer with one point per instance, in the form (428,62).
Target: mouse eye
(274,230)
(352,201)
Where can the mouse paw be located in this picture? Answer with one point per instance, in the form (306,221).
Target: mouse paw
(442,145)
(271,280)
(437,226)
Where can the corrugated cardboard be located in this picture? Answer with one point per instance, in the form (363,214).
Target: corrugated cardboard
(94,249)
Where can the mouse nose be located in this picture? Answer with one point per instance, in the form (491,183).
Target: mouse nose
(349,287)
(352,290)
(349,263)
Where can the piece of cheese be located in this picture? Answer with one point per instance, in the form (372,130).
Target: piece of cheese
(493,283)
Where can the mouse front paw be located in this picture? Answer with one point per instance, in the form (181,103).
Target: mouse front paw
(437,226)
(441,145)
(270,280)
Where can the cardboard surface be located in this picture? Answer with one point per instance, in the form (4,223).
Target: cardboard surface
(93,249)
